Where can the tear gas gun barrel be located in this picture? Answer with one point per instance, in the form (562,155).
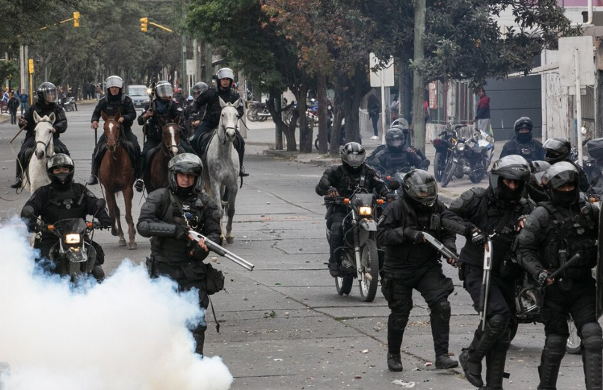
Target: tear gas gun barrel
(483,296)
(440,247)
(221,251)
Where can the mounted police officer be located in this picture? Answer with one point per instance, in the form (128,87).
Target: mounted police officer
(167,216)
(115,101)
(558,150)
(483,212)
(193,118)
(397,155)
(209,101)
(411,263)
(343,180)
(554,232)
(62,199)
(523,143)
(47,104)
(159,111)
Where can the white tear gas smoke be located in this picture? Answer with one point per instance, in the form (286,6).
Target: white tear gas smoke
(130,332)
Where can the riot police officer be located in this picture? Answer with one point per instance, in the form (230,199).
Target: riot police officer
(554,232)
(115,101)
(559,149)
(47,104)
(343,180)
(536,190)
(483,213)
(411,263)
(62,199)
(523,143)
(193,118)
(167,216)
(209,101)
(163,108)
(397,156)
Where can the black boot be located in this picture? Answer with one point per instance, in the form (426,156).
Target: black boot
(334,269)
(18,180)
(242,172)
(550,361)
(93,180)
(445,362)
(473,371)
(241,151)
(139,184)
(394,362)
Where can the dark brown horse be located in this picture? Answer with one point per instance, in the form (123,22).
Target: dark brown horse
(116,174)
(157,175)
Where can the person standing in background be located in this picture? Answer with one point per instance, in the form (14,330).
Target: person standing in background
(482,116)
(24,98)
(374,108)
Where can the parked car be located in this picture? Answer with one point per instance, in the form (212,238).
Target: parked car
(139,95)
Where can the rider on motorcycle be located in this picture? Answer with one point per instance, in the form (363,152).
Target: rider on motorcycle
(47,104)
(536,190)
(62,199)
(558,150)
(161,107)
(343,180)
(209,100)
(113,102)
(523,143)
(397,156)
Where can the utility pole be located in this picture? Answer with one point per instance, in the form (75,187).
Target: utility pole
(418,84)
(209,69)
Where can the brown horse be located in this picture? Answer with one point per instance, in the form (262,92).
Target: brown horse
(116,174)
(157,175)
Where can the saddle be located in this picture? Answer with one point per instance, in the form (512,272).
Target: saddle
(203,141)
(26,157)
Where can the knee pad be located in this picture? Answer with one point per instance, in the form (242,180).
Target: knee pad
(591,337)
(555,343)
(498,324)
(397,321)
(442,310)
(336,230)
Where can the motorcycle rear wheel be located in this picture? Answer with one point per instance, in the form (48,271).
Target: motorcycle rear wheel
(448,173)
(252,114)
(370,270)
(439,166)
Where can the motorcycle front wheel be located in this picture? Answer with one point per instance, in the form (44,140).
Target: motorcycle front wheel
(370,271)
(252,114)
(439,166)
(448,173)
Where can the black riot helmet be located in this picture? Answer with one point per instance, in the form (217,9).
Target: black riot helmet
(185,163)
(353,156)
(198,89)
(534,185)
(60,160)
(511,167)
(557,149)
(47,93)
(395,139)
(420,189)
(523,123)
(557,178)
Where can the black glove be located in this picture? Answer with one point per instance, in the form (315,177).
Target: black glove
(331,190)
(106,223)
(542,278)
(181,231)
(478,238)
(413,235)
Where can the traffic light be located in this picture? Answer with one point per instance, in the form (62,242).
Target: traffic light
(76,19)
(143,24)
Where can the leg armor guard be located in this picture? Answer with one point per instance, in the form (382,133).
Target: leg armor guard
(440,327)
(550,361)
(495,362)
(199,335)
(591,355)
(396,324)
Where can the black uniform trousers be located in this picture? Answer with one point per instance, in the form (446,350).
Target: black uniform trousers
(433,285)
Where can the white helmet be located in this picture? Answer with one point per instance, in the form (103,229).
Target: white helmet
(225,73)
(114,81)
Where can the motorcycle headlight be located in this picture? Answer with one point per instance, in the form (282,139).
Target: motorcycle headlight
(72,239)
(460,147)
(365,210)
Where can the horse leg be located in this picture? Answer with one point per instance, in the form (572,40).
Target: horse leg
(230,207)
(216,195)
(128,193)
(120,232)
(114,214)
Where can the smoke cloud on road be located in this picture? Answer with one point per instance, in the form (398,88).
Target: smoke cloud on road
(130,332)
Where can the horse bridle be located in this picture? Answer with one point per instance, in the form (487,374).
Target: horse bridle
(118,139)
(44,143)
(225,129)
(165,147)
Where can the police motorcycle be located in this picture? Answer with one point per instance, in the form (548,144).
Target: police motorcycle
(359,257)
(444,146)
(470,157)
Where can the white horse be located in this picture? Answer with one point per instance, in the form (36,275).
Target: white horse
(221,164)
(37,175)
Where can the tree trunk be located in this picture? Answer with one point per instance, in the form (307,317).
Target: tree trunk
(305,131)
(418,88)
(338,114)
(323,113)
(288,131)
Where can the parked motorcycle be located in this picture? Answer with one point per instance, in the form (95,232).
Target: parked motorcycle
(258,111)
(444,145)
(359,256)
(68,103)
(470,157)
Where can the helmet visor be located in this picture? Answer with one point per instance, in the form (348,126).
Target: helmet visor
(426,193)
(555,145)
(396,143)
(50,95)
(562,178)
(114,81)
(164,91)
(355,160)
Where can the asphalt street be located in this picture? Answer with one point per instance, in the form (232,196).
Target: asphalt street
(283,326)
